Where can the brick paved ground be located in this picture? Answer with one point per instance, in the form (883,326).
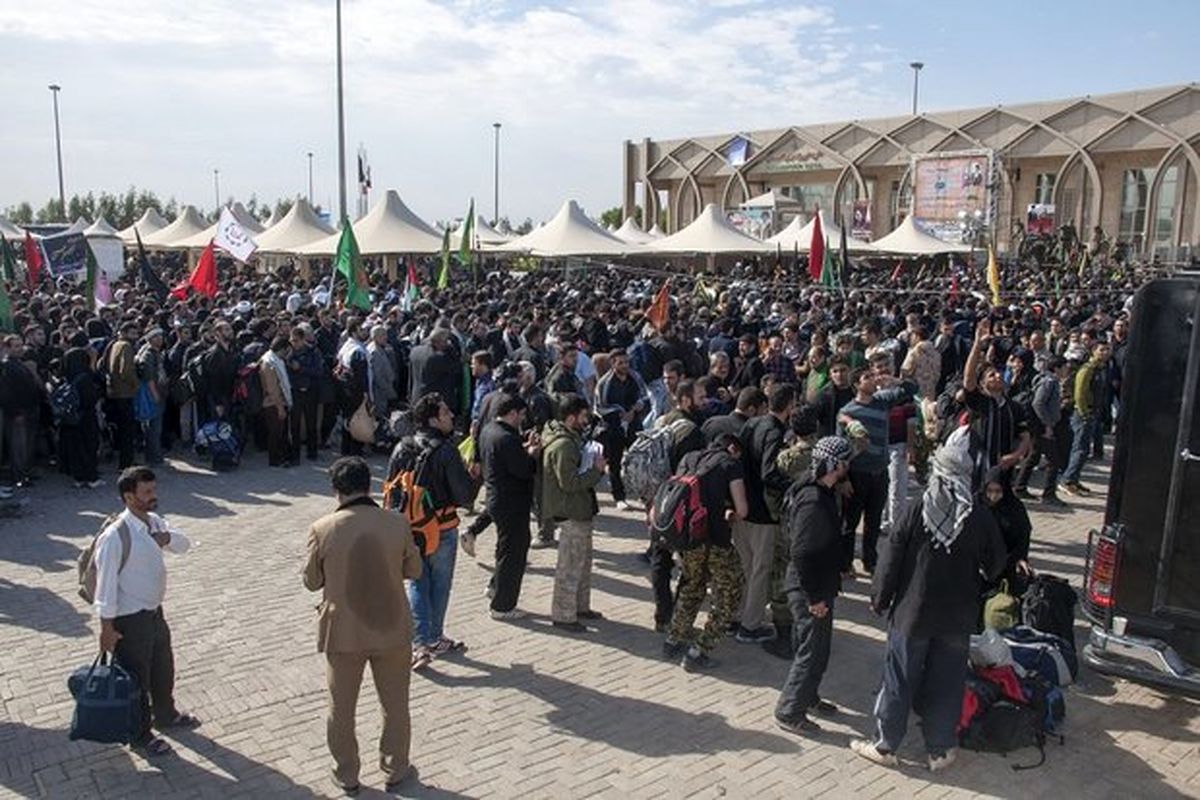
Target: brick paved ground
(527,712)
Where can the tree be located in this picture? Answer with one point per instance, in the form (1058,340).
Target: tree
(525,227)
(615,217)
(21,213)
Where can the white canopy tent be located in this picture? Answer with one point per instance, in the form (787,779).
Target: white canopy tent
(485,235)
(569,233)
(78,226)
(631,233)
(9,230)
(151,222)
(711,234)
(273,219)
(390,227)
(656,232)
(187,224)
(298,227)
(909,240)
(106,244)
(775,200)
(796,236)
(200,240)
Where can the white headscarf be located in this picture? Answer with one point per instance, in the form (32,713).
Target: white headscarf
(948,498)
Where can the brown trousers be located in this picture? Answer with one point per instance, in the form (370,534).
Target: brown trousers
(391,671)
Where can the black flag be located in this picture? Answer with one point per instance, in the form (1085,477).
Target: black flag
(149,277)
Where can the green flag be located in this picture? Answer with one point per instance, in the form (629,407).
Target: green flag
(348,264)
(10,263)
(468,237)
(828,275)
(443,280)
(91,278)
(6,315)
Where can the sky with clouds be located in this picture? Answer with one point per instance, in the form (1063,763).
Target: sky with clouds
(158,93)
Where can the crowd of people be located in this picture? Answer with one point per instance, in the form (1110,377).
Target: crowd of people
(802,413)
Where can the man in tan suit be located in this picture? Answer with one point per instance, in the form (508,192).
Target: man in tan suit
(360,555)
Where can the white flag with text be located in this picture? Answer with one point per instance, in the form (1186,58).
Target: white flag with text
(232,237)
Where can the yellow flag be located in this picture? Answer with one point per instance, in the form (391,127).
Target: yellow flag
(993,276)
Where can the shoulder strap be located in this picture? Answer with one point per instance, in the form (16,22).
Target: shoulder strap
(126,544)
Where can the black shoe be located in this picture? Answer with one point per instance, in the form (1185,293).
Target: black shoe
(571,627)
(398,781)
(823,708)
(1053,501)
(800,727)
(312,456)
(673,651)
(590,614)
(757,636)
(347,791)
(696,661)
(1023,493)
(644,557)
(543,544)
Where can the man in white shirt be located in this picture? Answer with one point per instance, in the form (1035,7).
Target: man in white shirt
(130,586)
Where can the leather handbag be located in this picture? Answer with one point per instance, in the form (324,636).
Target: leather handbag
(362,424)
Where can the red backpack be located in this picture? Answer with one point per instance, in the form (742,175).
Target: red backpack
(678,518)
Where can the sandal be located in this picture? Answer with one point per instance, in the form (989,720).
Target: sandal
(186,722)
(154,747)
(421,658)
(446,645)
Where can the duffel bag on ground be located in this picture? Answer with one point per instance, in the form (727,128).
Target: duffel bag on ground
(1043,654)
(107,703)
(1049,605)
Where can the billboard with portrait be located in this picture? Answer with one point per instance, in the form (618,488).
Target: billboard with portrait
(951,187)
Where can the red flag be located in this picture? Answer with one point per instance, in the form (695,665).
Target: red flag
(896,272)
(659,311)
(816,250)
(203,278)
(33,261)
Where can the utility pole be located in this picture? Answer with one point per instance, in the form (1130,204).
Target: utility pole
(496,176)
(217,189)
(310,192)
(916,68)
(62,194)
(341,122)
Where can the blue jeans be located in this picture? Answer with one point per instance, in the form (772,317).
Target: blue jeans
(1081,443)
(429,595)
(926,675)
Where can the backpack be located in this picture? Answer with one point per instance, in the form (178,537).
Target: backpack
(248,390)
(1042,695)
(647,462)
(107,703)
(223,447)
(66,403)
(1005,726)
(1043,654)
(85,565)
(404,493)
(1001,611)
(1049,606)
(678,518)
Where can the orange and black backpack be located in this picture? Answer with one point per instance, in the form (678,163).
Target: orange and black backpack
(405,494)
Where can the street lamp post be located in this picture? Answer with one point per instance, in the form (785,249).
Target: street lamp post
(310,192)
(62,194)
(916,68)
(341,122)
(217,188)
(496,176)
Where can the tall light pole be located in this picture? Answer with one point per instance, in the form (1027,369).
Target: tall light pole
(916,68)
(496,176)
(341,122)
(217,188)
(310,178)
(62,195)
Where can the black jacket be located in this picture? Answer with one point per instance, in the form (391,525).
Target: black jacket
(431,371)
(932,592)
(444,474)
(726,423)
(220,372)
(507,470)
(814,528)
(762,439)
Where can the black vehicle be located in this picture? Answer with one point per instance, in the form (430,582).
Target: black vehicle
(1142,574)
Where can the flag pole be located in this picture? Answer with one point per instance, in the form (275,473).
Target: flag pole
(341,118)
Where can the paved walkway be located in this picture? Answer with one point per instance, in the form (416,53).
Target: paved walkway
(527,712)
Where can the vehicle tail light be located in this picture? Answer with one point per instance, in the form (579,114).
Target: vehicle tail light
(1102,570)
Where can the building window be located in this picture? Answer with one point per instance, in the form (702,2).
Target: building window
(1135,193)
(1043,191)
(1164,213)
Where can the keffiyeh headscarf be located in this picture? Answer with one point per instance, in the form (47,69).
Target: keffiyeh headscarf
(948,498)
(827,453)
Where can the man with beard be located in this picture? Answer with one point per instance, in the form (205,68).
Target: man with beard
(220,372)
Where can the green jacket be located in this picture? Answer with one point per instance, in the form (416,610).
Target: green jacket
(1085,392)
(565,493)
